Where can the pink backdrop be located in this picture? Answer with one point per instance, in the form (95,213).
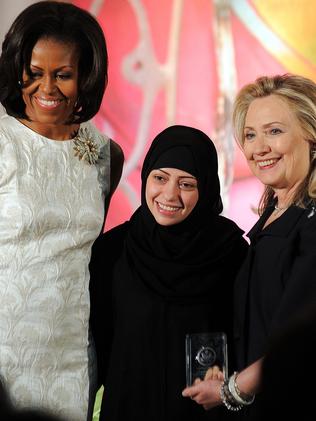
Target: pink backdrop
(182,62)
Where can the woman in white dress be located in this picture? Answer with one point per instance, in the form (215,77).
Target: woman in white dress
(57,175)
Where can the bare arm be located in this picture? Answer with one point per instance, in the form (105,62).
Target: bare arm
(249,379)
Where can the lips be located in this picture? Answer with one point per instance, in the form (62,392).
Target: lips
(267,163)
(48,103)
(168,208)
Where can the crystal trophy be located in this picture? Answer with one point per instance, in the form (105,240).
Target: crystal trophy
(203,351)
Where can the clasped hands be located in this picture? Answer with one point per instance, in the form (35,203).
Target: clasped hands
(206,392)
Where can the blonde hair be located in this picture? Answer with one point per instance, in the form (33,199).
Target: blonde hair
(300,94)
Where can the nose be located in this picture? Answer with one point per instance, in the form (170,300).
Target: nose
(48,84)
(171,191)
(261,145)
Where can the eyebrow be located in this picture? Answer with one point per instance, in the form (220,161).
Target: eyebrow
(57,69)
(181,176)
(266,125)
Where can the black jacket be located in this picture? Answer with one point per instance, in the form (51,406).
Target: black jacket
(277,280)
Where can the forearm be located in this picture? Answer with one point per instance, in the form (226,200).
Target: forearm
(249,379)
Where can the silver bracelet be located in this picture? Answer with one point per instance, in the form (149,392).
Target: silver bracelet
(226,398)
(240,398)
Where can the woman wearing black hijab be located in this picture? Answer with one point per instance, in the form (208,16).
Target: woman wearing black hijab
(166,272)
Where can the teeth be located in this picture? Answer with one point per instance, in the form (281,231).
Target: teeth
(48,103)
(266,163)
(168,208)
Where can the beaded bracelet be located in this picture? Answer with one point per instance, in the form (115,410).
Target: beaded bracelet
(227,399)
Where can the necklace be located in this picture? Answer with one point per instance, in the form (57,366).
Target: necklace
(277,209)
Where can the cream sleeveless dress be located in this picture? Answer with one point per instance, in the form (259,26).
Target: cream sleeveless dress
(51,211)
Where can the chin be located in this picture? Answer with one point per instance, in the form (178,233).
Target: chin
(165,222)
(51,120)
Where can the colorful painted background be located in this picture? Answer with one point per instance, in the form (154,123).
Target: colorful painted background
(182,62)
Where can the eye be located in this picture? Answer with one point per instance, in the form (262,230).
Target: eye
(275,131)
(63,76)
(35,74)
(159,178)
(187,185)
(249,136)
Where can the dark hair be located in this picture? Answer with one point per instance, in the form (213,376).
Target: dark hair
(65,23)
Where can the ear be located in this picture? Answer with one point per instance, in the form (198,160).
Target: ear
(312,149)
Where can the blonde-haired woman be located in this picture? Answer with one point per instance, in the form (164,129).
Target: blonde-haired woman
(275,125)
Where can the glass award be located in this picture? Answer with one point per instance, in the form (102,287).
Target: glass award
(203,351)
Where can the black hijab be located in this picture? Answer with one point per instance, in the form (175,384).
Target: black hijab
(185,261)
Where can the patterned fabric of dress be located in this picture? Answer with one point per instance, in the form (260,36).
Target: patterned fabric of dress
(51,211)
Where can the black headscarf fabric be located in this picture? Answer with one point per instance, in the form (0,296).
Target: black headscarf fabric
(182,262)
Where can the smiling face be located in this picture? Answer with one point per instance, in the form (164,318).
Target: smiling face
(275,145)
(171,195)
(51,90)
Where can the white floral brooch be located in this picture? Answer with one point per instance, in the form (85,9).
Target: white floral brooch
(85,148)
